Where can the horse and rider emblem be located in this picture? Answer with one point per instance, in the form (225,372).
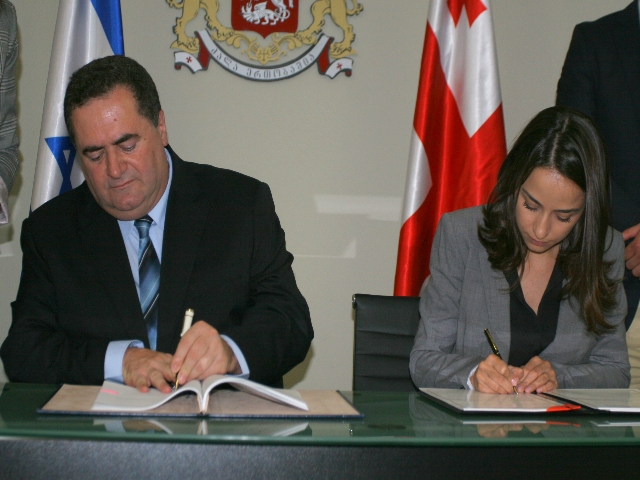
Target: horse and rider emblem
(262,39)
(259,18)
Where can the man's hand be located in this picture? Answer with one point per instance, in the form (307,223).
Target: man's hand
(143,368)
(493,375)
(202,352)
(539,376)
(632,251)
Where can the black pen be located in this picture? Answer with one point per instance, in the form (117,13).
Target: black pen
(494,349)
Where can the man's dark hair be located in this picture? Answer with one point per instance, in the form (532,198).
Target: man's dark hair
(101,76)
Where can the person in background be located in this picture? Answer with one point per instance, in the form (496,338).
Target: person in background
(538,266)
(600,77)
(8,118)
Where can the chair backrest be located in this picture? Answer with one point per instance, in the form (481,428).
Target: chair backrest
(384,332)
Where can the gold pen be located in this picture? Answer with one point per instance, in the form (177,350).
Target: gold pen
(494,349)
(186,325)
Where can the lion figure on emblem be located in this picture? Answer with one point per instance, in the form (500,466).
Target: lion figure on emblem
(190,10)
(339,12)
(260,13)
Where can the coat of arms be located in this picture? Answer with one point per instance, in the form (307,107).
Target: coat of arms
(264,40)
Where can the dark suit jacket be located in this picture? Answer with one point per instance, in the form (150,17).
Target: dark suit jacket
(601,77)
(223,255)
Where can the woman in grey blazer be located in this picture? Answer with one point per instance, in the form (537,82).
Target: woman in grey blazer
(538,266)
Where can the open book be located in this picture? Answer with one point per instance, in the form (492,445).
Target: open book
(247,399)
(115,397)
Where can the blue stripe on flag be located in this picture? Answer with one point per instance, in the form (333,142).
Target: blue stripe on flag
(111,18)
(58,147)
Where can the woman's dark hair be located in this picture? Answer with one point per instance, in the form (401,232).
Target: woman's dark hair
(566,141)
(101,76)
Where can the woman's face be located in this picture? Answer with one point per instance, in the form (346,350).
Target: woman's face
(549,205)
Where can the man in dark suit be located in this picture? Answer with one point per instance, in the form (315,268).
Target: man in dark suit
(82,312)
(601,77)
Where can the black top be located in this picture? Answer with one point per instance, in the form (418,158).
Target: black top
(531,333)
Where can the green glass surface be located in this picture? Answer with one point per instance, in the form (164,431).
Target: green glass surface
(399,419)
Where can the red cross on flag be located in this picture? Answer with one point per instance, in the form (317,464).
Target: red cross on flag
(458,142)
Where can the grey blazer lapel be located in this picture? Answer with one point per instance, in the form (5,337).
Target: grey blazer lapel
(497,298)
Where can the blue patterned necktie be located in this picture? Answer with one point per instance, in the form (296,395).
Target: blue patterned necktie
(149,269)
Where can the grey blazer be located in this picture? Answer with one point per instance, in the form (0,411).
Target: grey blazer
(464,295)
(8,119)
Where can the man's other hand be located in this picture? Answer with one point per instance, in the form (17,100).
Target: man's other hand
(143,368)
(201,353)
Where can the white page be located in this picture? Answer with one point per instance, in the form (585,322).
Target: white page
(610,399)
(116,397)
(286,397)
(473,401)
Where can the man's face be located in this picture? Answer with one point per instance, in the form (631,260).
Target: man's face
(121,154)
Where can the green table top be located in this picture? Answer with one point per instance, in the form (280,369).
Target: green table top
(391,419)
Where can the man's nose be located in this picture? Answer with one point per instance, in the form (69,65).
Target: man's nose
(115,166)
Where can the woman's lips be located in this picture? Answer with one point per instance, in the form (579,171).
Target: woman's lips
(536,242)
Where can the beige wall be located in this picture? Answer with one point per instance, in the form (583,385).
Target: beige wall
(319,143)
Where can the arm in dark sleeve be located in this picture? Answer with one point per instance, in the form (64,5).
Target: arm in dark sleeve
(38,348)
(275,332)
(577,84)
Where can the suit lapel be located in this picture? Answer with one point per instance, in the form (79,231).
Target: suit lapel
(101,241)
(187,211)
(497,300)
(627,38)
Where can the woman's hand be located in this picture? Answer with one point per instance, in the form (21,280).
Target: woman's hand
(502,430)
(538,377)
(493,375)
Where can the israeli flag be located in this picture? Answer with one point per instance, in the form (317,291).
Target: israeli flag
(85,30)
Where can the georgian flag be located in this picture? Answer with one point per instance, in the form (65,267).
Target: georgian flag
(458,142)
(85,30)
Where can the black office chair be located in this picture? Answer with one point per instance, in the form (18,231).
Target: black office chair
(384,331)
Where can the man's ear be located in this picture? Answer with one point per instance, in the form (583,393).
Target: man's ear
(162,128)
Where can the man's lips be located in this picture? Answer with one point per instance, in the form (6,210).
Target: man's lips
(121,186)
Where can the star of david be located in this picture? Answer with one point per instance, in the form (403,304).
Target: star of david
(474,9)
(65,153)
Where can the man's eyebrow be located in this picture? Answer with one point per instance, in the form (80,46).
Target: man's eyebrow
(532,198)
(91,149)
(124,138)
